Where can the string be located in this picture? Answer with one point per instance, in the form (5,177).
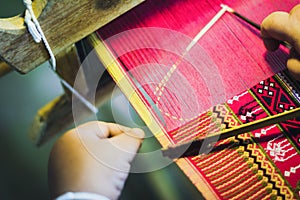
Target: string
(206,28)
(37,34)
(34,27)
(275,59)
(137,55)
(161,87)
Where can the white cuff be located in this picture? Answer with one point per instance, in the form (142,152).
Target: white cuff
(81,196)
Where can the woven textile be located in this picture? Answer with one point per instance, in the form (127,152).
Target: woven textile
(262,164)
(184,97)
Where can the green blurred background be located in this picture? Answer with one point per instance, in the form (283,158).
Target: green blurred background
(23,167)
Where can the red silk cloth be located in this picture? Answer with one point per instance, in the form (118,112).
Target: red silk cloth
(228,60)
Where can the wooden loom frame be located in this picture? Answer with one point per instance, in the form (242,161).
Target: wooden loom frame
(19,52)
(107,58)
(112,65)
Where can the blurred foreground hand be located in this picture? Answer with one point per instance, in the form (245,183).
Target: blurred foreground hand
(94,157)
(282,26)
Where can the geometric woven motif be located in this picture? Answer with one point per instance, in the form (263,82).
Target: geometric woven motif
(276,96)
(262,164)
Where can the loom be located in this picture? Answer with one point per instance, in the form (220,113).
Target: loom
(182,86)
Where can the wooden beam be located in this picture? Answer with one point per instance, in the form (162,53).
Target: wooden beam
(68,65)
(63,22)
(57,116)
(4,68)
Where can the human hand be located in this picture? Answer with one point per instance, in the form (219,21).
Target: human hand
(94,157)
(282,26)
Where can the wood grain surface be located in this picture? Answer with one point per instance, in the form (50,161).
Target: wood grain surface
(63,22)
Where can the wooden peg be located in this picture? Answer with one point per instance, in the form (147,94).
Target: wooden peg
(56,116)
(68,63)
(63,22)
(4,68)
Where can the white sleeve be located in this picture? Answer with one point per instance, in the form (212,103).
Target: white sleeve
(81,196)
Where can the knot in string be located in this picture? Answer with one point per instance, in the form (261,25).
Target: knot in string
(27,3)
(36,31)
(32,28)
(37,34)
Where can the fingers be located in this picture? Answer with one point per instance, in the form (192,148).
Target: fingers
(116,152)
(128,143)
(293,64)
(93,129)
(275,28)
(282,26)
(101,129)
(116,129)
(81,161)
(124,142)
(295,21)
(271,44)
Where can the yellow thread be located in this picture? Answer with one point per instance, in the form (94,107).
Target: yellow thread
(245,191)
(232,180)
(220,169)
(238,186)
(220,160)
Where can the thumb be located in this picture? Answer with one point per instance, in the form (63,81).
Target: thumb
(293,64)
(128,143)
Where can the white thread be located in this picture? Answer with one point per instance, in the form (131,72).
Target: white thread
(37,33)
(32,28)
(227,8)
(37,29)
(161,87)
(206,28)
(79,96)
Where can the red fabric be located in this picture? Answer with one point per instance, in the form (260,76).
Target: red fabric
(229,59)
(231,51)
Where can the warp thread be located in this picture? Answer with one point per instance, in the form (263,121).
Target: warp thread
(37,34)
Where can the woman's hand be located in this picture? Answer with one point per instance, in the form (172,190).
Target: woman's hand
(282,26)
(94,157)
